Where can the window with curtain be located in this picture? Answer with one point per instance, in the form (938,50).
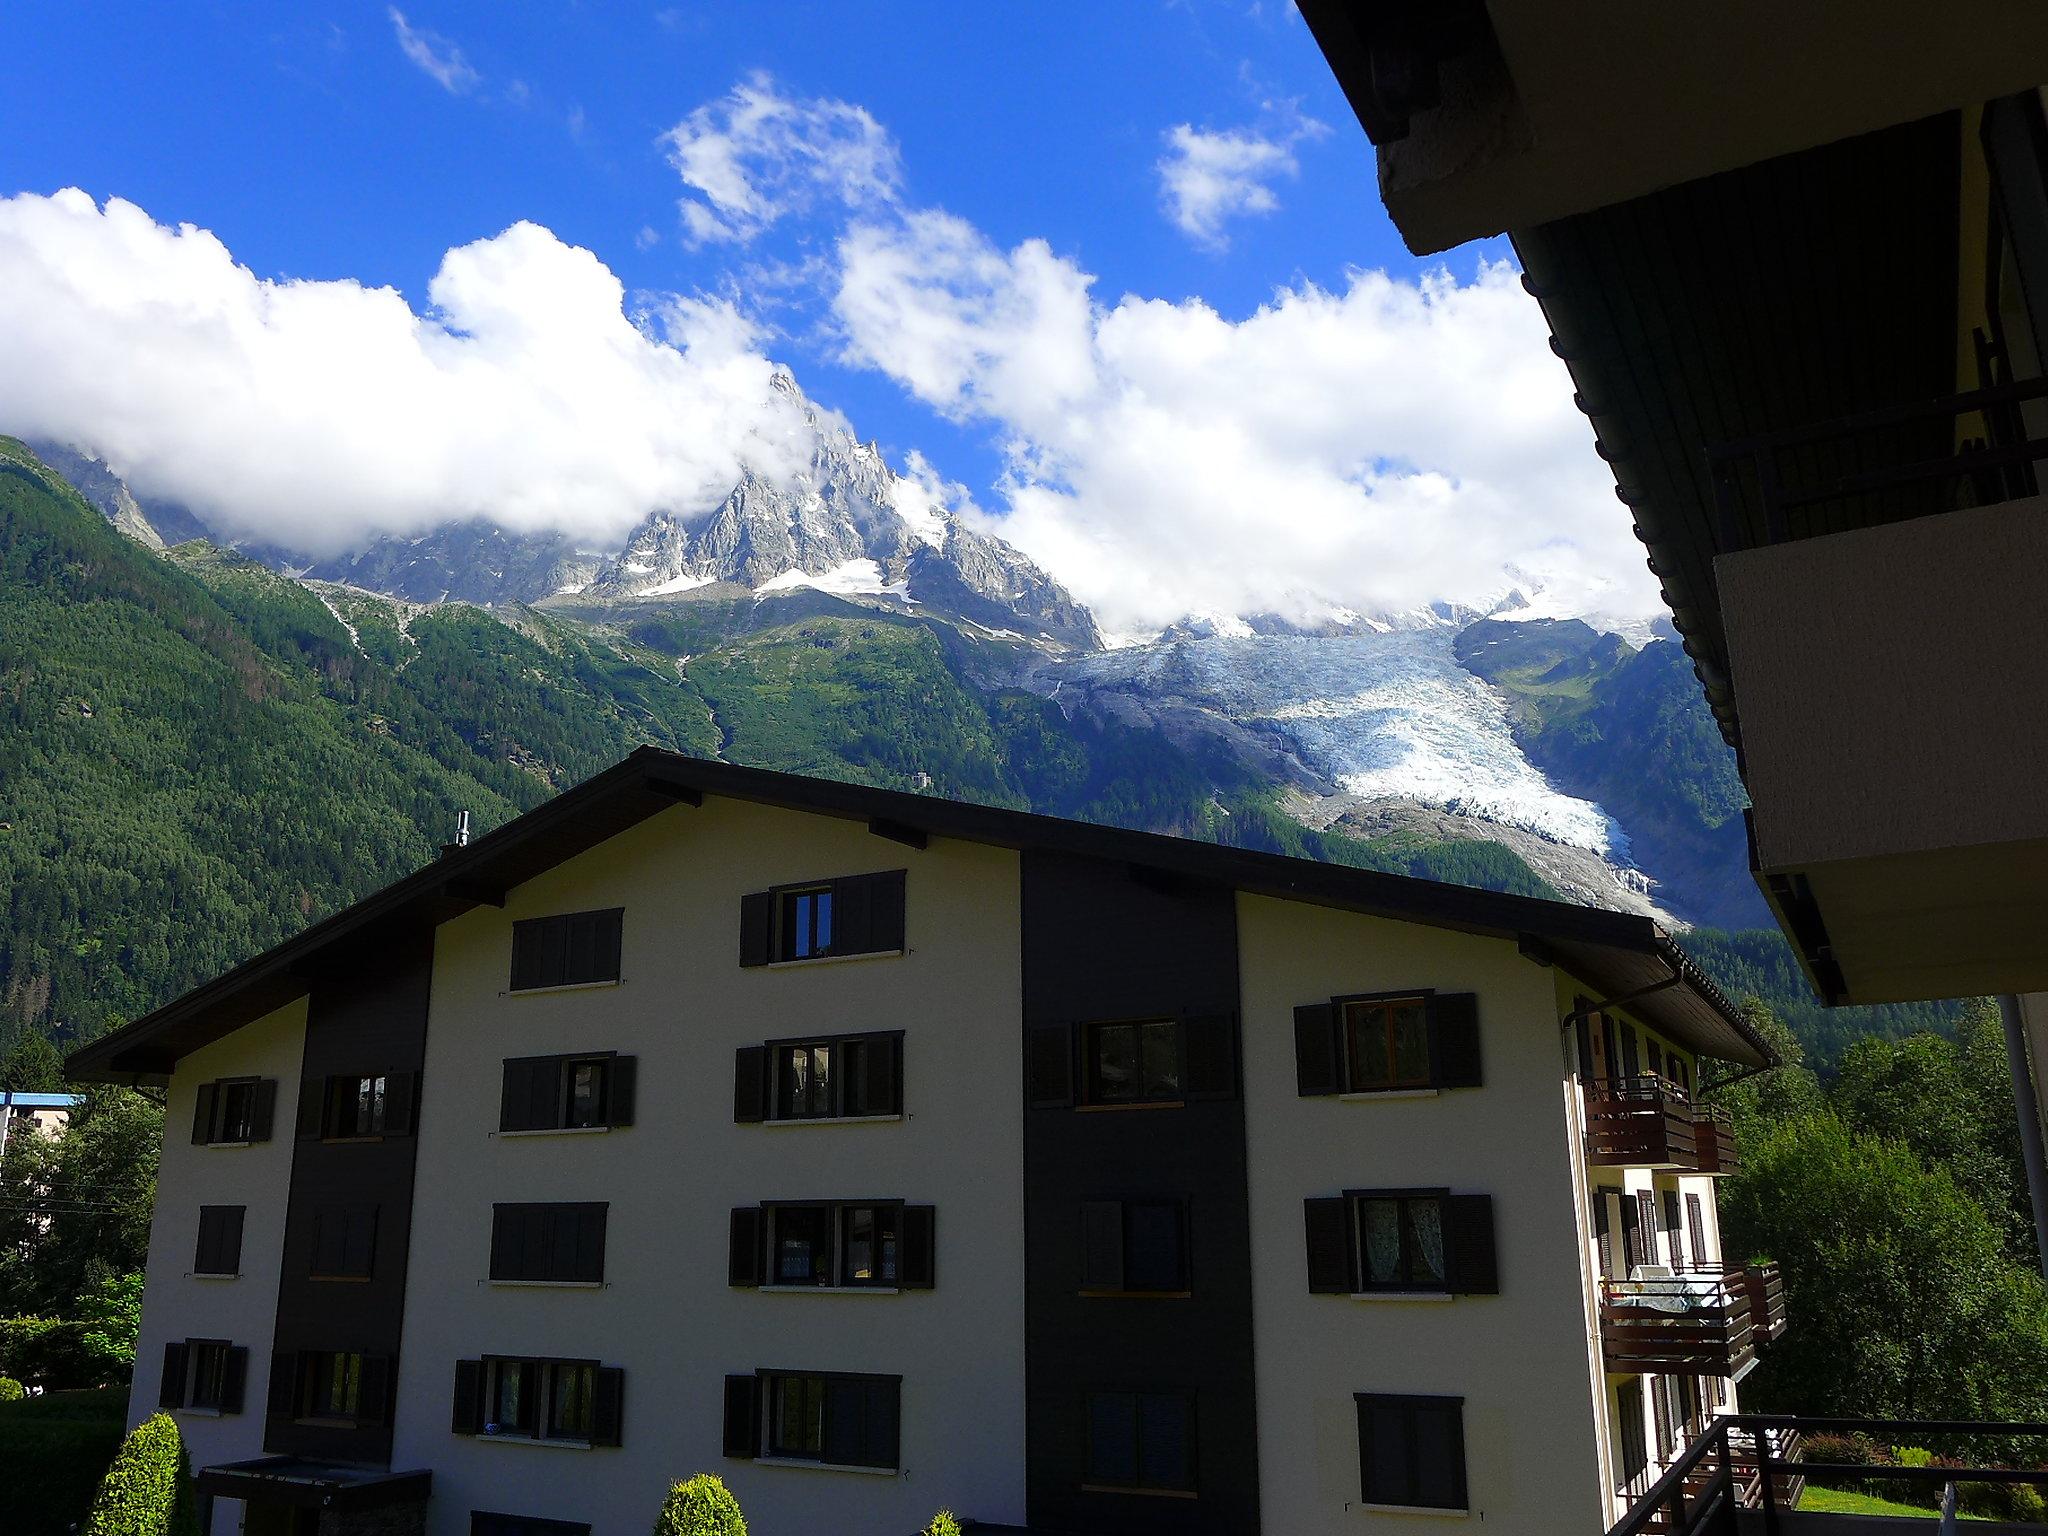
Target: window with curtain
(1401,1242)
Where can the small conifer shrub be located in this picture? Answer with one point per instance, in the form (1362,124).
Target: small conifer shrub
(148,1489)
(703,1506)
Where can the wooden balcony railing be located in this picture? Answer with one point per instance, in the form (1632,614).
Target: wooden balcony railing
(1678,1325)
(1714,1137)
(1766,1289)
(1743,1470)
(1640,1122)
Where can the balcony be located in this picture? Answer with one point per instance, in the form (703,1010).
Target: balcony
(1766,1288)
(1714,1137)
(1640,1122)
(1695,1324)
(1744,1469)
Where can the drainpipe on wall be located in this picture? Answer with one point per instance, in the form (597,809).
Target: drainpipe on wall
(2028,1104)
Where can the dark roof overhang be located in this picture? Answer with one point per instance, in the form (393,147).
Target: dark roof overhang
(298,1484)
(1607,949)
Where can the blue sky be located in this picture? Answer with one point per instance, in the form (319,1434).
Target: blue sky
(362,143)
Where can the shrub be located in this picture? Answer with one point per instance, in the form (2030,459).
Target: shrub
(703,1506)
(11,1391)
(48,1351)
(53,1449)
(148,1489)
(2020,1502)
(944,1523)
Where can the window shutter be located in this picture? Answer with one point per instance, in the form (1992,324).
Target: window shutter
(230,1250)
(361,1241)
(171,1390)
(607,1406)
(591,1223)
(885,910)
(750,1085)
(757,927)
(884,1428)
(884,1095)
(610,925)
(852,914)
(1329,1247)
(743,1416)
(1454,1039)
(1631,1233)
(264,1113)
(469,1397)
(401,1089)
(202,1113)
(744,1252)
(516,1105)
(919,1269)
(1317,1067)
(206,1258)
(1695,1221)
(376,1400)
(234,1379)
(507,1243)
(284,1384)
(846,1421)
(1049,1068)
(1209,1056)
(1471,1267)
(1102,1245)
(526,953)
(312,1106)
(621,1076)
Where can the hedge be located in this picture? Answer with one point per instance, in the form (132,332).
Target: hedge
(48,1352)
(703,1506)
(53,1450)
(148,1489)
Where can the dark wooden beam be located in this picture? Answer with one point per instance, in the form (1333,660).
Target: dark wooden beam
(682,794)
(477,891)
(1533,948)
(898,832)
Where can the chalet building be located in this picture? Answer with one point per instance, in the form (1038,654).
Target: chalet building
(880,1153)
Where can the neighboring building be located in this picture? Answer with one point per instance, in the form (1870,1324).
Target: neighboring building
(33,1114)
(881,1153)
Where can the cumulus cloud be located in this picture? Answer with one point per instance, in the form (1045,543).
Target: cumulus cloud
(1206,179)
(1379,447)
(435,55)
(756,156)
(318,414)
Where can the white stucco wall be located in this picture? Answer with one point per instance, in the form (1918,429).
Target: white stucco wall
(175,1305)
(666,1313)
(1521,1360)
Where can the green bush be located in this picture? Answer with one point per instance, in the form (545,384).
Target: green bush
(2019,1502)
(148,1489)
(703,1506)
(944,1523)
(48,1352)
(11,1391)
(53,1450)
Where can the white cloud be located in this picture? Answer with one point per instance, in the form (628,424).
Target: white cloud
(1207,179)
(435,55)
(756,156)
(317,414)
(1381,447)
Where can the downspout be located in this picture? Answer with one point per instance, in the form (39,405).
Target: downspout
(2028,1105)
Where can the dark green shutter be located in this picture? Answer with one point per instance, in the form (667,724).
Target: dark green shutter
(312,1119)
(1317,1061)
(750,1085)
(745,1248)
(1209,1056)
(757,928)
(234,1379)
(1102,1245)
(607,1406)
(918,1270)
(880,1076)
(466,1416)
(852,932)
(743,1416)
(885,910)
(284,1384)
(171,1390)
(401,1089)
(376,1399)
(1329,1246)
(202,1113)
(264,1112)
(507,1243)
(1454,1040)
(532,1096)
(621,1076)
(1471,1267)
(1049,1066)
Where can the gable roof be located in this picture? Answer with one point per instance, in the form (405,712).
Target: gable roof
(1626,958)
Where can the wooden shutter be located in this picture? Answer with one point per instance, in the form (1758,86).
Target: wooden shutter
(202,1113)
(264,1114)
(1631,1232)
(1454,1040)
(1646,1226)
(508,1243)
(360,1253)
(743,1416)
(750,1085)
(312,1107)
(1049,1066)
(884,1427)
(234,1379)
(882,1081)
(376,1400)
(284,1384)
(1696,1223)
(532,1097)
(584,1225)
(1471,1267)
(607,1405)
(885,910)
(918,1269)
(606,943)
(1318,1064)
(468,1411)
(757,928)
(746,1246)
(206,1256)
(846,1421)
(1102,1245)
(1209,1056)
(852,916)
(401,1094)
(527,942)
(621,1077)
(171,1390)
(1329,1246)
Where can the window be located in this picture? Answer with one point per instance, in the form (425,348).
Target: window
(344,1242)
(234,1111)
(836,1420)
(823,1244)
(333,1385)
(1134,1247)
(1401,1240)
(1141,1440)
(205,1374)
(1134,1063)
(1391,1042)
(355,1106)
(572,949)
(554,1093)
(1411,1451)
(1386,1044)
(1400,1243)
(220,1240)
(1631,1060)
(557,1243)
(831,1077)
(577,1401)
(854,915)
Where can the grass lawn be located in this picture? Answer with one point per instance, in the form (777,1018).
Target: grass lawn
(1838,1502)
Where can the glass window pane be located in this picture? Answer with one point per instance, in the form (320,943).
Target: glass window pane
(1113,1438)
(803,1246)
(1161,1046)
(574,1386)
(1366,1045)
(586,1093)
(1116,1063)
(853,1079)
(796,1418)
(1410,1028)
(1165,1455)
(1380,1221)
(858,1245)
(1425,1242)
